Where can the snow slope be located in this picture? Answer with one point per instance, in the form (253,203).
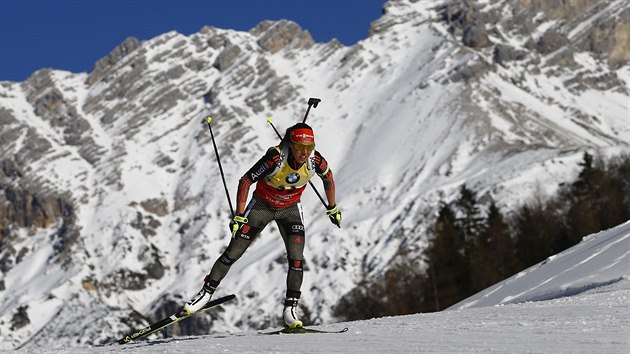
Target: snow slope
(599,260)
(575,302)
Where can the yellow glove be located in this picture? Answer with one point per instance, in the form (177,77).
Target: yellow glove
(334,215)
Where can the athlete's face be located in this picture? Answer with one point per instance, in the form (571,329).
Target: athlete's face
(301,150)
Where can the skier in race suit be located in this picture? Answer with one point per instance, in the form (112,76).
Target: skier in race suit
(281,176)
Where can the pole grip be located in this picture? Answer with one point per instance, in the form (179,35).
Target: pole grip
(311,102)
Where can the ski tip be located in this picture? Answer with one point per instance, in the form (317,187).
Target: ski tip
(268,119)
(209,119)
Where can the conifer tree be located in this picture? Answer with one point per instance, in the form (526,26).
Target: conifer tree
(617,210)
(582,217)
(494,257)
(471,220)
(447,265)
(536,227)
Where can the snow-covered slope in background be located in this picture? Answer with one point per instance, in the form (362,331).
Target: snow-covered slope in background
(132,212)
(574,302)
(600,260)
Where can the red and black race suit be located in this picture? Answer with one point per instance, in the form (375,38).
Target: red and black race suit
(272,195)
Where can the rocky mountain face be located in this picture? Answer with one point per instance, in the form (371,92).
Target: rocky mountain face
(112,207)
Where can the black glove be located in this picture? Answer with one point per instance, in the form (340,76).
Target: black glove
(236,223)
(334,215)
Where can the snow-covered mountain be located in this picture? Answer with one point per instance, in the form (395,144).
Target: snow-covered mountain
(113,207)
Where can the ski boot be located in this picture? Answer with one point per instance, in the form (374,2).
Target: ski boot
(202,298)
(289,314)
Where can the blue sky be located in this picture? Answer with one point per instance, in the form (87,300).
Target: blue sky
(73,34)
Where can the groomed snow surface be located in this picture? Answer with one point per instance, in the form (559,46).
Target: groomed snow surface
(575,302)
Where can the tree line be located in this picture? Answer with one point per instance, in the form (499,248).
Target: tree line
(474,245)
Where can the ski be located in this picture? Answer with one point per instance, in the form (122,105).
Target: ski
(301,330)
(172,319)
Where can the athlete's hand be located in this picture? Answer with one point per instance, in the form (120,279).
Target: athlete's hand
(236,223)
(334,215)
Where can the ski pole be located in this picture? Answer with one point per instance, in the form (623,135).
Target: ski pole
(216,151)
(321,199)
(312,101)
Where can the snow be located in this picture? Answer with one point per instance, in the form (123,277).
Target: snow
(617,4)
(398,131)
(599,260)
(577,301)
